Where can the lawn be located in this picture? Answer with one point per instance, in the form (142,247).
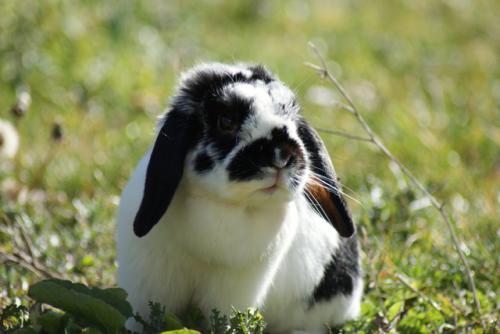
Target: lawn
(425,75)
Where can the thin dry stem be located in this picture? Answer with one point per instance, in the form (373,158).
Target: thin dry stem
(373,138)
(28,244)
(22,260)
(24,255)
(343,134)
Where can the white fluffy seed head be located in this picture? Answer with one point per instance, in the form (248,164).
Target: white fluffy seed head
(9,140)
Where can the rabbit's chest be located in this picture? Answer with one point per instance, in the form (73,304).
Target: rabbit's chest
(225,235)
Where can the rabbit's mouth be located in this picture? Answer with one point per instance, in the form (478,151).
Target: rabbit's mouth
(276,183)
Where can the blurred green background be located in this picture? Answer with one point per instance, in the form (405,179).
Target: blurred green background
(425,74)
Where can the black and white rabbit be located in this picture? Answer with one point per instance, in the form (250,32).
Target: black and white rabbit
(237,204)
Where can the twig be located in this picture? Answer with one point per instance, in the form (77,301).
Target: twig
(28,244)
(420,293)
(343,134)
(24,258)
(21,261)
(373,138)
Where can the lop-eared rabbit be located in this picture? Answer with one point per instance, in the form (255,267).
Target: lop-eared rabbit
(237,204)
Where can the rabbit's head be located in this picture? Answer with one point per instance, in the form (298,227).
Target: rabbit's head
(234,133)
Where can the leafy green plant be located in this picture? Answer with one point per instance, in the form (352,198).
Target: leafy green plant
(105,309)
(160,321)
(13,317)
(76,308)
(238,322)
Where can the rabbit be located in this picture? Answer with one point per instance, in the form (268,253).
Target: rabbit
(237,204)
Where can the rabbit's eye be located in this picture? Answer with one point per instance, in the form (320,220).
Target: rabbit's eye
(226,123)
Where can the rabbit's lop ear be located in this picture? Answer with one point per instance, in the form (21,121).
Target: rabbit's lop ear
(324,192)
(164,171)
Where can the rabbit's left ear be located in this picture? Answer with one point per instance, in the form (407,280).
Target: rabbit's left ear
(165,169)
(323,185)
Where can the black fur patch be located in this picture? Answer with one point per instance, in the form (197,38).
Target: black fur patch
(280,135)
(203,163)
(260,73)
(249,161)
(234,105)
(207,83)
(340,273)
(312,143)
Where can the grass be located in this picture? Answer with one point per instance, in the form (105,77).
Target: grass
(424,74)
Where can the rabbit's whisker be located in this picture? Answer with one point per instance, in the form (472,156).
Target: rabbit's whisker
(314,168)
(333,188)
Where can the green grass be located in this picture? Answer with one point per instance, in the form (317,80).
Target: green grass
(424,73)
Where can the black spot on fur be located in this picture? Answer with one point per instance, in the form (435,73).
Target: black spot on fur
(312,143)
(280,135)
(203,163)
(260,73)
(340,273)
(249,161)
(237,107)
(208,82)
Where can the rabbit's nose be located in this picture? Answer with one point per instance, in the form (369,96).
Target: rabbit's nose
(282,157)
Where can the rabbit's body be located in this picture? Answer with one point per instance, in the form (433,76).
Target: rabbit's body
(246,226)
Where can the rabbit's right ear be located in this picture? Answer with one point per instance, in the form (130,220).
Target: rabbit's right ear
(165,169)
(324,190)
